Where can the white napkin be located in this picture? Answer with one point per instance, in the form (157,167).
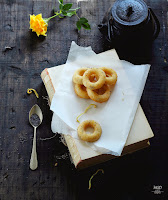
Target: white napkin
(115,116)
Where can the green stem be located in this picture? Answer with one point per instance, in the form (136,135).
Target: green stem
(77,16)
(48,19)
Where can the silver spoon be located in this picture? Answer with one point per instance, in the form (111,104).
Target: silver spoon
(35,119)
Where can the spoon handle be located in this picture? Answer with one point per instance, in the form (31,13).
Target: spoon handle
(33,159)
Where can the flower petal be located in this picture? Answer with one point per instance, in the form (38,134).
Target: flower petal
(38,24)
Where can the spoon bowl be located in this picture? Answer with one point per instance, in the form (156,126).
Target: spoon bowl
(35,110)
(35,119)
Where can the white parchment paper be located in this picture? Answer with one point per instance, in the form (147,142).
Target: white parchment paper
(115,116)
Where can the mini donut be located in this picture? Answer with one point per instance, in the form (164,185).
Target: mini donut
(80,90)
(89,137)
(99,80)
(78,75)
(100,95)
(111,75)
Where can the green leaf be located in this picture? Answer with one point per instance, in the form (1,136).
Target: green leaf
(60,1)
(67,6)
(83,20)
(78,24)
(73,9)
(60,6)
(70,14)
(65,10)
(64,13)
(86,26)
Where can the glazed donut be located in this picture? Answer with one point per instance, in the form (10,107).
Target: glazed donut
(89,137)
(78,75)
(99,78)
(111,75)
(101,95)
(80,90)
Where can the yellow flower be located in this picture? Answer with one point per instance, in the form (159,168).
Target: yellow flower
(38,24)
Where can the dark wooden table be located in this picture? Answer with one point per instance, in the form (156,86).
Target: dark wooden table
(133,176)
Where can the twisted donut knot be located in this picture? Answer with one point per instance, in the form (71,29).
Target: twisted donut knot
(91,137)
(94,78)
(78,75)
(111,75)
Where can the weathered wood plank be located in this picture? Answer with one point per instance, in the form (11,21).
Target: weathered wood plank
(20,68)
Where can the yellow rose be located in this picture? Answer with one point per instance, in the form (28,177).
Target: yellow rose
(38,24)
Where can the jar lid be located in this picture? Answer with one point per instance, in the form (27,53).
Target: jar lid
(129,12)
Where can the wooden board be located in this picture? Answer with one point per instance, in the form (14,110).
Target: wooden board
(83,156)
(20,69)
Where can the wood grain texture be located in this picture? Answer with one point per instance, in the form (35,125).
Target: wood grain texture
(131,177)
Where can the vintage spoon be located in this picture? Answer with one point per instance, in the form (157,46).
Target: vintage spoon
(35,119)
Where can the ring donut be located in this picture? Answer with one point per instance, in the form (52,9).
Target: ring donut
(80,90)
(91,137)
(100,78)
(78,75)
(111,75)
(101,95)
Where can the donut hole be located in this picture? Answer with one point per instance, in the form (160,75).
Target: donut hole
(83,88)
(101,91)
(108,75)
(89,129)
(81,72)
(93,78)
